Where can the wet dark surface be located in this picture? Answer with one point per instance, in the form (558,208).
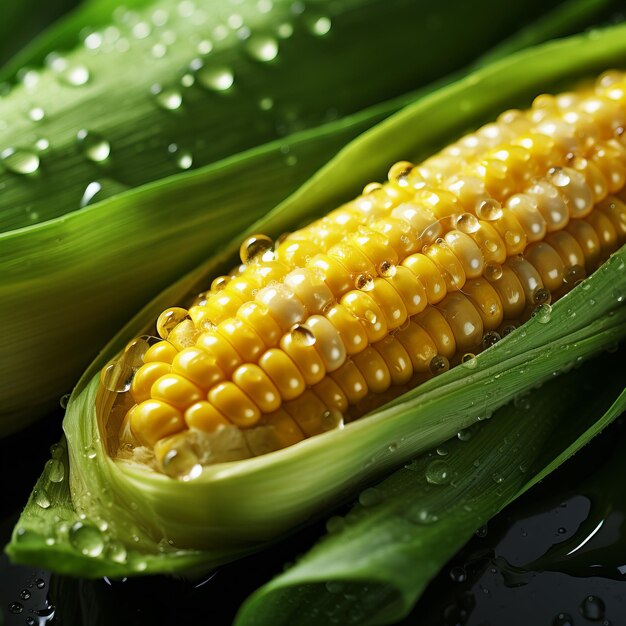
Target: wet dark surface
(556,557)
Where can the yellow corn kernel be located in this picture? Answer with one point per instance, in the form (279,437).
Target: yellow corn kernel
(163,352)
(434,323)
(429,275)
(198,366)
(231,401)
(283,372)
(145,377)
(350,328)
(286,430)
(204,416)
(152,420)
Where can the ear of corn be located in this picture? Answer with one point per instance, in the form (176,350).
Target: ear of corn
(240,505)
(181,117)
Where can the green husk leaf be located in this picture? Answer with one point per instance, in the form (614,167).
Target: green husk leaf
(234,508)
(375,567)
(110,257)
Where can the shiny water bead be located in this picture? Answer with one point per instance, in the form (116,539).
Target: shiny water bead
(258,316)
(528,276)
(221,350)
(467,251)
(397,359)
(256,384)
(204,416)
(364,282)
(330,393)
(327,341)
(492,247)
(429,275)
(145,377)
(117,376)
(153,420)
(256,247)
(409,288)
(489,210)
(438,365)
(349,326)
(283,372)
(374,370)
(467,223)
(169,319)
(447,263)
(232,402)
(284,429)
(464,320)
(486,301)
(510,292)
(573,275)
(606,232)
(308,412)
(220,282)
(435,324)
(546,260)
(489,339)
(550,203)
(176,390)
(524,208)
(541,296)
(299,345)
(351,382)
(367,311)
(573,186)
(162,351)
(310,289)
(588,240)
(198,366)
(390,303)
(283,304)
(399,172)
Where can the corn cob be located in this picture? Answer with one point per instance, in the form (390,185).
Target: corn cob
(413,276)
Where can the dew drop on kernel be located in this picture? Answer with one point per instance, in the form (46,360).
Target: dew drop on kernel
(489,210)
(87,539)
(469,360)
(182,464)
(490,338)
(364,282)
(467,223)
(93,145)
(439,364)
(216,78)
(262,48)
(220,283)
(20,160)
(169,319)
(492,271)
(438,473)
(387,269)
(542,313)
(254,248)
(593,608)
(399,171)
(573,274)
(541,296)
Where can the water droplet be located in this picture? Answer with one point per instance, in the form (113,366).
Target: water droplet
(399,171)
(465,435)
(592,608)
(320,26)
(36,114)
(438,365)
(442,450)
(168,99)
(458,574)
(40,583)
(490,338)
(508,329)
(255,248)
(31,621)
(562,531)
(76,76)
(169,319)
(220,282)
(558,177)
(16,608)
(492,271)
(87,539)
(387,269)
(182,463)
(216,79)
(24,594)
(205,46)
(542,313)
(20,161)
(40,496)
(42,144)
(94,147)
(482,531)
(467,223)
(542,296)
(55,470)
(563,619)
(420,515)
(184,160)
(618,295)
(284,30)
(302,335)
(497,477)
(93,41)
(91,191)
(364,282)
(117,376)
(489,210)
(469,361)
(116,552)
(438,473)
(262,48)
(370,497)
(573,274)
